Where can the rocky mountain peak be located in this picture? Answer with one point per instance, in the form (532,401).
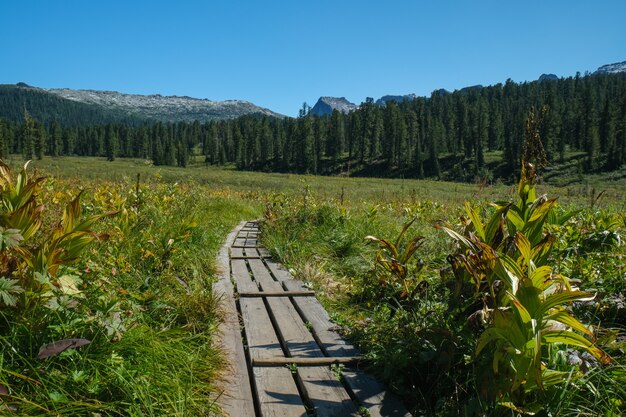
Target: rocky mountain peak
(548,77)
(612,68)
(326,104)
(164,108)
(398,99)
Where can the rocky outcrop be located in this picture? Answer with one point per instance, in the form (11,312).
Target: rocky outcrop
(548,77)
(612,68)
(326,105)
(398,99)
(164,108)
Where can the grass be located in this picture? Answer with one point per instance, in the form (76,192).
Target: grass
(143,299)
(151,315)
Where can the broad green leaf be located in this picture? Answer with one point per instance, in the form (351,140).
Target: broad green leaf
(539,212)
(567,319)
(476,221)
(521,310)
(565,297)
(514,216)
(411,248)
(541,277)
(494,232)
(459,238)
(568,337)
(506,275)
(404,229)
(523,245)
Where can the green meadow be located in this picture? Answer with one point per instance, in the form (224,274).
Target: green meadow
(454,305)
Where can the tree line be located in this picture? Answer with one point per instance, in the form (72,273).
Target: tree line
(471,133)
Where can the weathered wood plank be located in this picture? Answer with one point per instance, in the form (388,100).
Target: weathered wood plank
(242,277)
(253,252)
(326,393)
(323,328)
(276,389)
(279,271)
(321,361)
(322,388)
(277,294)
(239,242)
(236,399)
(277,393)
(373,395)
(298,339)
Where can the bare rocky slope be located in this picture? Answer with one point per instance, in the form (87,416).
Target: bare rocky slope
(164,108)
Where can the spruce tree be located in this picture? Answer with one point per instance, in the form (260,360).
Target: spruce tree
(111,143)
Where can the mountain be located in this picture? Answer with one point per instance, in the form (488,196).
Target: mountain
(80,107)
(326,105)
(441,92)
(398,99)
(548,77)
(165,108)
(471,88)
(612,68)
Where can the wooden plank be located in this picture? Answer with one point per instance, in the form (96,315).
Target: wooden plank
(251,252)
(236,399)
(323,328)
(242,277)
(239,242)
(298,339)
(322,361)
(276,389)
(326,393)
(370,393)
(322,388)
(373,396)
(279,271)
(277,294)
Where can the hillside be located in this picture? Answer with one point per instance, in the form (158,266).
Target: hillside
(91,107)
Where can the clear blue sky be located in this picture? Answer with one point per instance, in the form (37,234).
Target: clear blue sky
(279,54)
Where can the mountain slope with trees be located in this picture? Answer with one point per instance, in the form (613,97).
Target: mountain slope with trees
(80,108)
(468,135)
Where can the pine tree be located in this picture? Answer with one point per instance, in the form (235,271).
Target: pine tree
(4,139)
(40,141)
(28,136)
(54,139)
(337,136)
(111,143)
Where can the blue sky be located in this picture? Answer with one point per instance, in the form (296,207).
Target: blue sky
(279,54)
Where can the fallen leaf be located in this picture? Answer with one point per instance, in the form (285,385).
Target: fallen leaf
(54,348)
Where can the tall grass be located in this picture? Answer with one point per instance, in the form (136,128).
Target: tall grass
(142,298)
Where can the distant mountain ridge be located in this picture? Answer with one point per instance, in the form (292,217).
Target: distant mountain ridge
(76,107)
(612,68)
(385,99)
(548,77)
(326,104)
(165,108)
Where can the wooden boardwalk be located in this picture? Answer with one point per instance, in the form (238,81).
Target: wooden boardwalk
(281,345)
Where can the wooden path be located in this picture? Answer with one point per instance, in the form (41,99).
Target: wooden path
(281,346)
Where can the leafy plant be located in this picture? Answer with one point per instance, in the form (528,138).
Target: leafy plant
(33,262)
(519,297)
(395,274)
